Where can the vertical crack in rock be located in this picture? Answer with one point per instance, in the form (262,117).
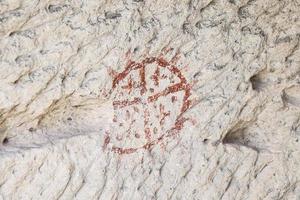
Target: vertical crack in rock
(3,133)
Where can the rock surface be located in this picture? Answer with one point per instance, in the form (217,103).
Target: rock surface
(140,99)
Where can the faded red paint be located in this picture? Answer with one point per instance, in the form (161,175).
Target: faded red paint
(163,114)
(129,87)
(142,101)
(106,141)
(125,103)
(155,77)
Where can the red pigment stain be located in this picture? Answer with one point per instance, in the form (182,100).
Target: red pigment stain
(129,86)
(106,141)
(144,100)
(126,102)
(163,114)
(156,76)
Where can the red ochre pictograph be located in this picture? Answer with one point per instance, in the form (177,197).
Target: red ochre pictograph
(149,100)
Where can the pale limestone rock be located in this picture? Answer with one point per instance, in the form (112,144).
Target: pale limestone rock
(141,99)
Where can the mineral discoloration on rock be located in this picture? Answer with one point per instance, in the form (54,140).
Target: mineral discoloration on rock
(61,105)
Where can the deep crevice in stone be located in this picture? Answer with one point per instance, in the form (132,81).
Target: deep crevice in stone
(240,137)
(5,141)
(261,80)
(236,136)
(256,82)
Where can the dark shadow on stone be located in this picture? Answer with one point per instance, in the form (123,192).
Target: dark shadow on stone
(239,137)
(5,141)
(256,82)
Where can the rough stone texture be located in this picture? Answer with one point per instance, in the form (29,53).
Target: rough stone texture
(150,99)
